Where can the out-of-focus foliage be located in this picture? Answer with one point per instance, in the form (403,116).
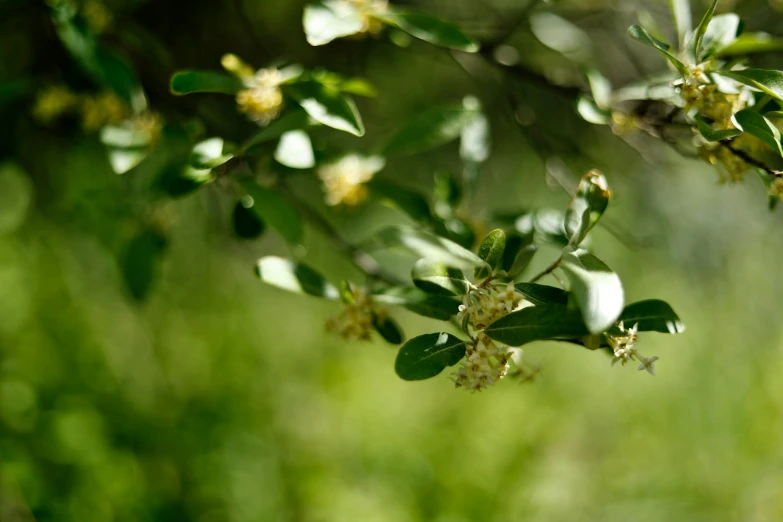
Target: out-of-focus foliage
(146,374)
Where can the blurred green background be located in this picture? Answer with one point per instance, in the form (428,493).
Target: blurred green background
(220,399)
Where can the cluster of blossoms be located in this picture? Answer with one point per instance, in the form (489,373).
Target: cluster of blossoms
(368,9)
(356,321)
(624,350)
(344,180)
(262,99)
(730,167)
(485,362)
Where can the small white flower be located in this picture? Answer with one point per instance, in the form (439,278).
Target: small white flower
(647,364)
(344,179)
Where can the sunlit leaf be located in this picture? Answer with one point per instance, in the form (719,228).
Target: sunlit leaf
(491,251)
(721,32)
(474,142)
(327,106)
(210,153)
(427,245)
(597,289)
(431,129)
(587,206)
(760,127)
(274,209)
(295,150)
(186,82)
(329,20)
(701,29)
(427,355)
(294,277)
(430,29)
(748,43)
(537,323)
(681,14)
(640,34)
(592,113)
(771,82)
(437,278)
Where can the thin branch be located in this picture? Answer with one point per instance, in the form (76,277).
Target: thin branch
(546,271)
(750,160)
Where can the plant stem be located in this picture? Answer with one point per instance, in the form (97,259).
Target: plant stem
(548,270)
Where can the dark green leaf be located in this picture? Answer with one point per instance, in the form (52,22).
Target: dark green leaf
(597,289)
(297,119)
(435,307)
(273,208)
(331,19)
(537,323)
(245,222)
(186,82)
(542,294)
(388,329)
(447,192)
(141,261)
(427,355)
(176,180)
(327,106)
(295,150)
(522,260)
(710,134)
(640,34)
(426,244)
(652,315)
(295,277)
(760,127)
(771,82)
(430,29)
(408,201)
(439,279)
(491,251)
(431,129)
(698,35)
(587,207)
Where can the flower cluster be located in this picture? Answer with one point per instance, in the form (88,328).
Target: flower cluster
(95,111)
(368,9)
(262,99)
(485,363)
(711,102)
(483,306)
(104,109)
(730,167)
(356,321)
(624,350)
(344,180)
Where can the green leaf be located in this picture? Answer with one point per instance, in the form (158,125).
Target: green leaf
(426,244)
(447,192)
(721,32)
(327,106)
(710,134)
(127,146)
(771,82)
(748,43)
(295,277)
(639,34)
(597,289)
(408,201)
(652,315)
(591,112)
(186,82)
(698,35)
(600,87)
(542,294)
(587,207)
(141,261)
(210,153)
(439,279)
(273,208)
(760,127)
(329,20)
(295,150)
(419,302)
(430,29)
(681,14)
(245,222)
(388,329)
(546,224)
(427,355)
(537,323)
(522,260)
(431,129)
(457,230)
(491,251)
